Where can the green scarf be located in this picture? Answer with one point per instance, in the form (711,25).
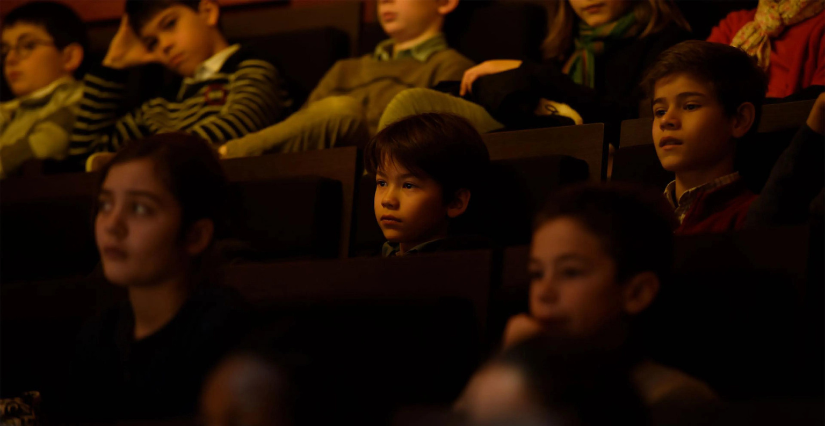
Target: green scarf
(592,42)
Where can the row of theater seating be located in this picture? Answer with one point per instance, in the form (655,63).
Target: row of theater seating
(319,205)
(742,312)
(333,30)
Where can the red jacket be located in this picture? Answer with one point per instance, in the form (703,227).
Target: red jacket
(720,209)
(797,55)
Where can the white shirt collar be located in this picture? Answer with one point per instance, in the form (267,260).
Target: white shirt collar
(39,93)
(211,66)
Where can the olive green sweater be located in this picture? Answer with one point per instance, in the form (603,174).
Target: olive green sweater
(375,79)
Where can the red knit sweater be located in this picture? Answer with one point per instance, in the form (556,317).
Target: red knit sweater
(720,209)
(797,55)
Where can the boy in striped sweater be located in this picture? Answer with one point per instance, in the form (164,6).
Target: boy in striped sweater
(225,91)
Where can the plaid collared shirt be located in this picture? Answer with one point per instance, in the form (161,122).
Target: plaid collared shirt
(420,52)
(682,205)
(392,249)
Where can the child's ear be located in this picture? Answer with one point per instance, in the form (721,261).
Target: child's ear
(210,11)
(446,6)
(743,119)
(72,57)
(199,236)
(458,205)
(639,292)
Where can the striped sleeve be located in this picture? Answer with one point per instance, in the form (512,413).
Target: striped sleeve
(97,126)
(255,100)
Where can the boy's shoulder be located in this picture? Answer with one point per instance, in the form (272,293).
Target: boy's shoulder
(719,210)
(451,55)
(246,56)
(243,60)
(441,57)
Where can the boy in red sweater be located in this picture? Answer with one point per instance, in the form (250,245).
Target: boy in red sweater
(705,97)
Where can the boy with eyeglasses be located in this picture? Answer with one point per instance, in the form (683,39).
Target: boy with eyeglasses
(43,45)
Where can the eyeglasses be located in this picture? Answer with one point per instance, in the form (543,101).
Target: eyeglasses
(24,48)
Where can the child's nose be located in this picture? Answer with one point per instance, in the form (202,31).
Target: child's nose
(544,291)
(11,57)
(389,200)
(166,44)
(670,120)
(114,223)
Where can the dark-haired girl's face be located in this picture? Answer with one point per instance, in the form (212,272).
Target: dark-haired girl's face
(137,227)
(573,288)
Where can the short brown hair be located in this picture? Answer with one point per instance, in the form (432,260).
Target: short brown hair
(634,225)
(140,12)
(444,147)
(733,75)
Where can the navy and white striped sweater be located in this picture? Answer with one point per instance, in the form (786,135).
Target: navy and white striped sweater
(245,96)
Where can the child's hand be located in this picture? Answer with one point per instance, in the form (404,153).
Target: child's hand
(222,152)
(520,328)
(485,68)
(98,161)
(126,50)
(816,120)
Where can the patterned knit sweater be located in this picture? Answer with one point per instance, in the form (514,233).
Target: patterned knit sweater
(246,95)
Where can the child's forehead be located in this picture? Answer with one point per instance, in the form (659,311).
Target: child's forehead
(678,83)
(18,30)
(391,165)
(152,24)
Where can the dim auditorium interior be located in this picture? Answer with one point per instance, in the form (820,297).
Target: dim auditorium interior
(395,341)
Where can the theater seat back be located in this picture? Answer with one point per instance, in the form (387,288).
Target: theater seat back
(376,333)
(288,218)
(502,210)
(46,227)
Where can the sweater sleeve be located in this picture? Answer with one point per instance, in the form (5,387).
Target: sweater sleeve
(254,101)
(513,93)
(727,28)
(452,68)
(796,178)
(327,84)
(48,139)
(816,41)
(98,127)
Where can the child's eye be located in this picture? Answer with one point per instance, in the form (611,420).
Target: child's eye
(140,209)
(380,183)
(170,24)
(104,205)
(691,107)
(659,112)
(151,44)
(571,272)
(408,185)
(535,275)
(27,46)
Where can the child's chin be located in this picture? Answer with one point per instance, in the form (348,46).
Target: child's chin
(670,164)
(393,237)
